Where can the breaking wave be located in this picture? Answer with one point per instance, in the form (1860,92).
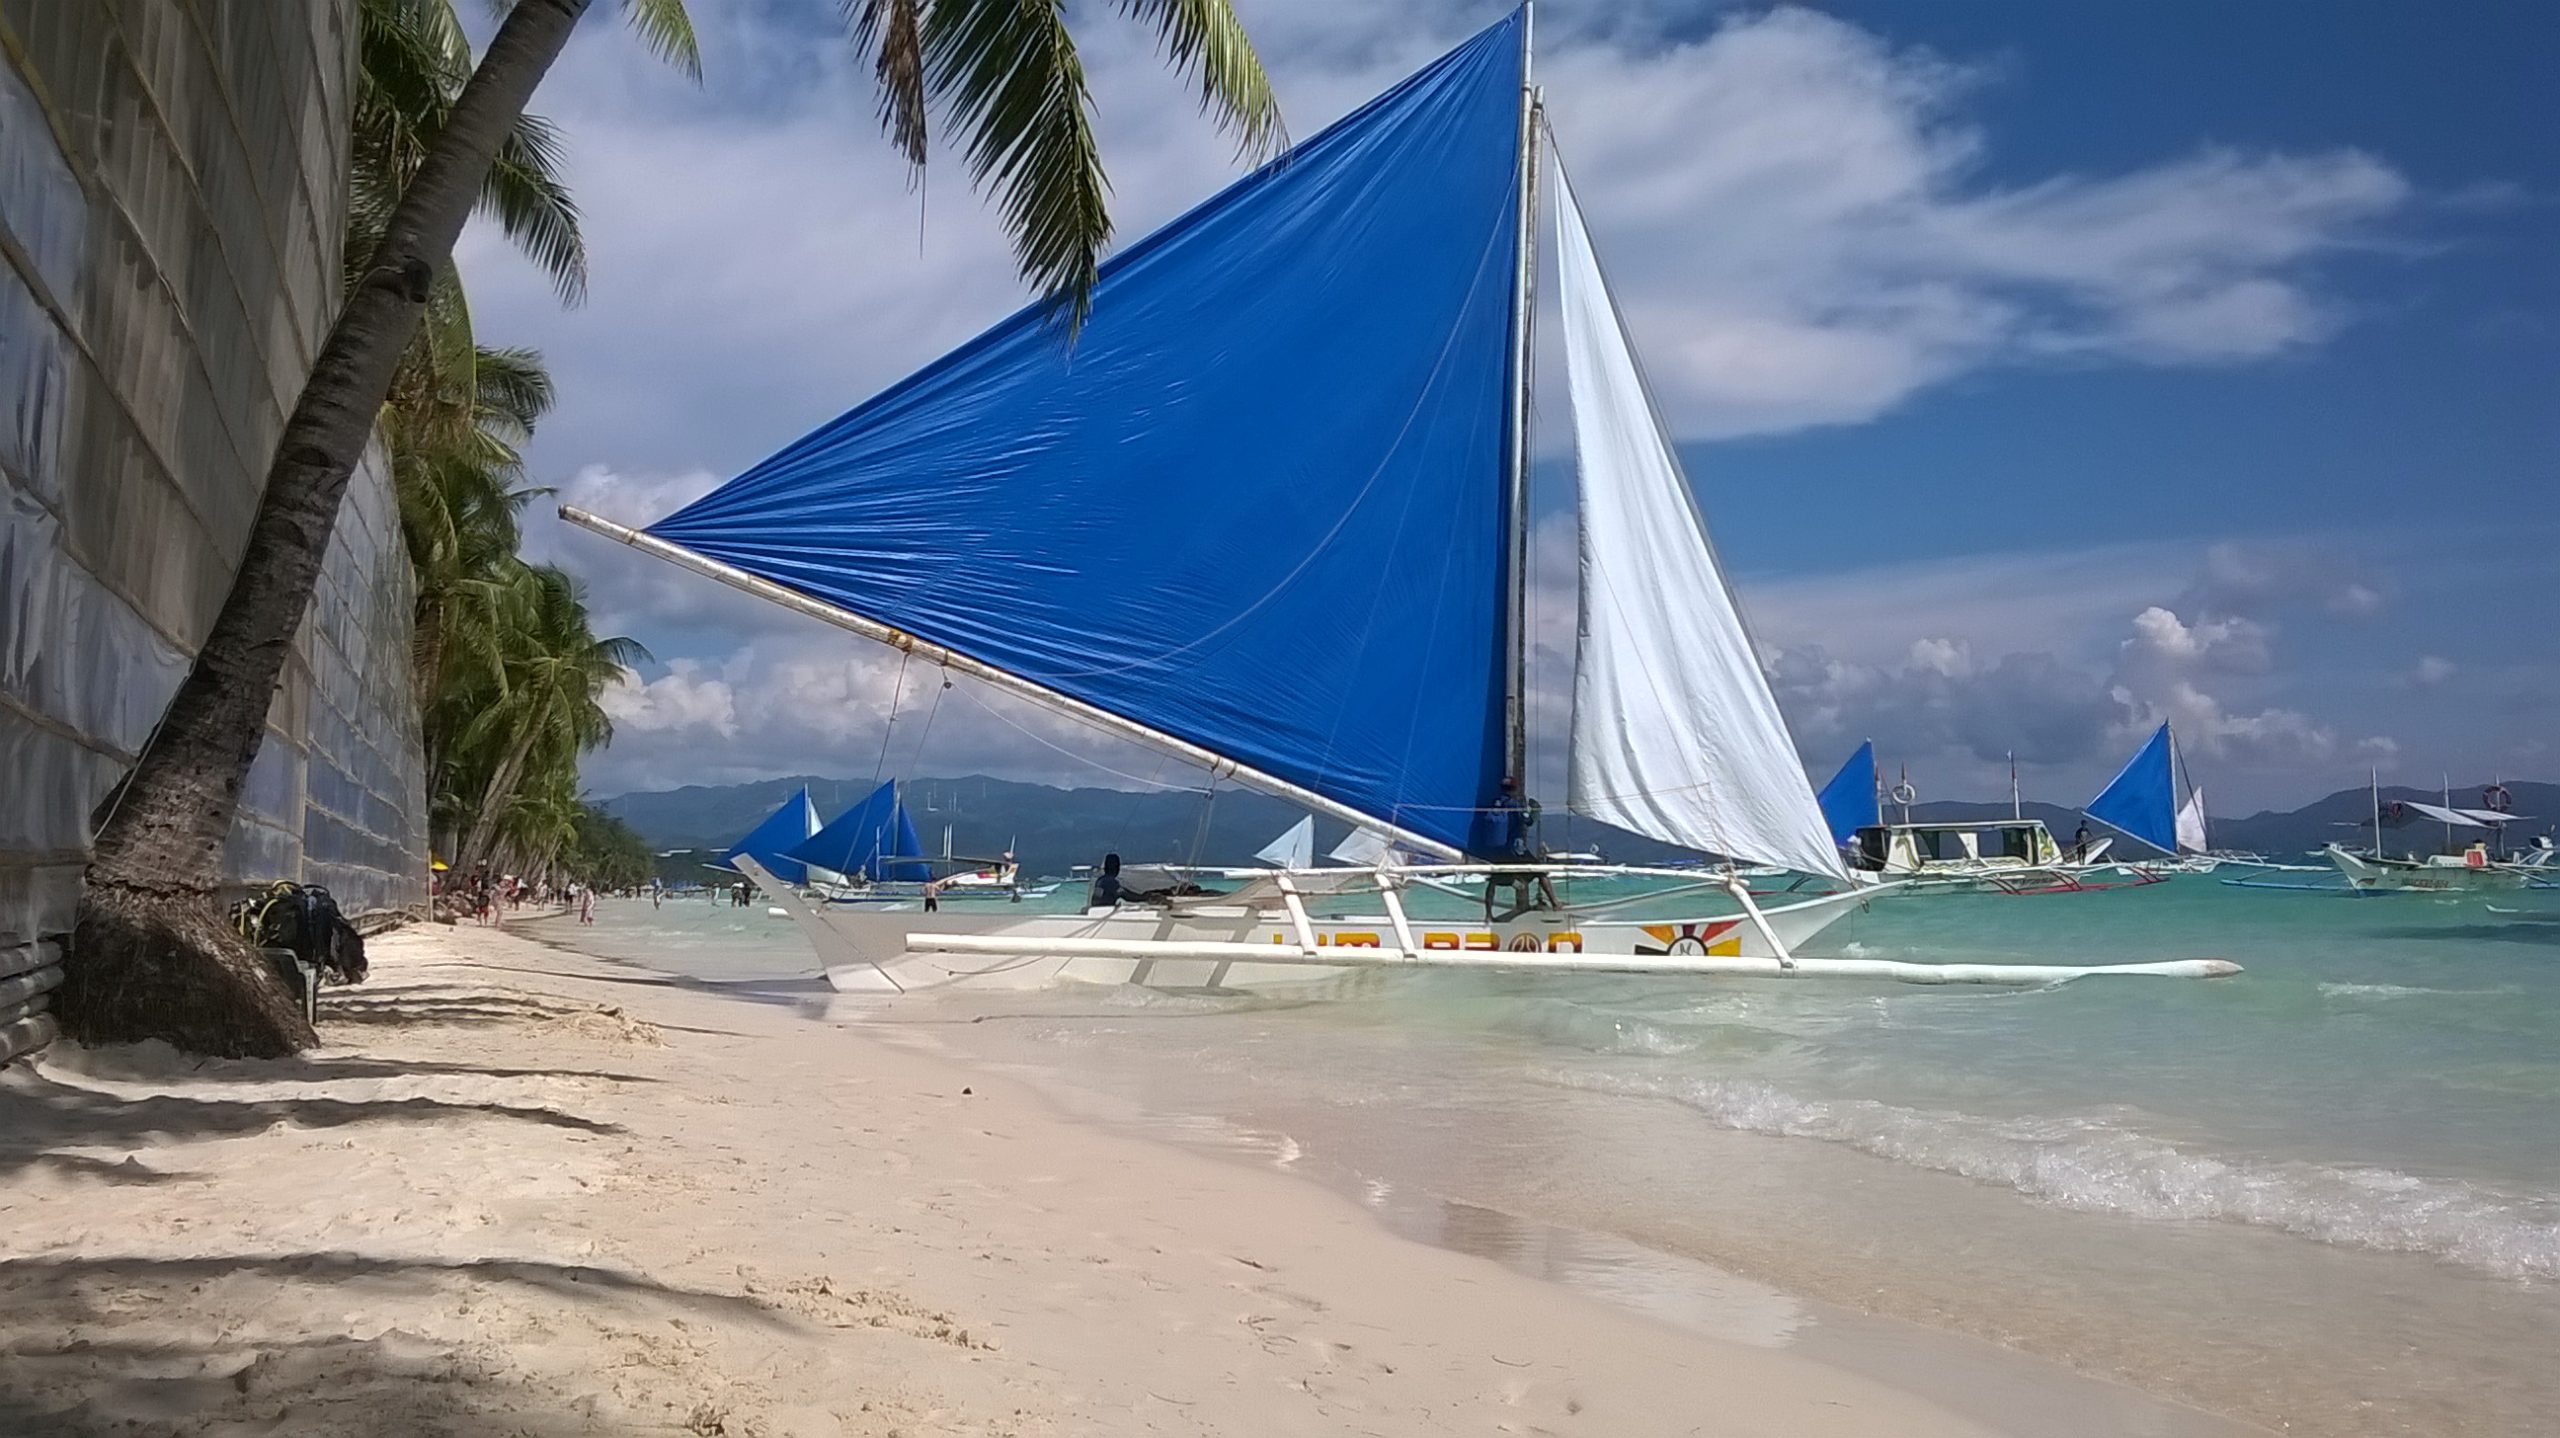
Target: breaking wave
(2100,1167)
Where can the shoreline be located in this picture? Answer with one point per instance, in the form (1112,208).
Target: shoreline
(530,1184)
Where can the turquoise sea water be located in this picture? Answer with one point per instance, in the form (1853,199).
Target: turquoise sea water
(2325,1193)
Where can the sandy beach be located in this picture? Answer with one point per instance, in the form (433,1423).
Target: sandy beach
(528,1192)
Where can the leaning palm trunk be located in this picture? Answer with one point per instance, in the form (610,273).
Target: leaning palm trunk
(480,837)
(150,956)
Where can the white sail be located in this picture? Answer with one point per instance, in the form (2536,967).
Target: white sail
(1364,848)
(1295,849)
(2191,824)
(1675,732)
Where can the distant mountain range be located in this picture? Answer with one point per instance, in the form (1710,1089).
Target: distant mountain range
(1052,828)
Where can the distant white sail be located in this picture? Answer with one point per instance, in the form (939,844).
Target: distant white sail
(1295,849)
(1364,848)
(1675,732)
(2191,824)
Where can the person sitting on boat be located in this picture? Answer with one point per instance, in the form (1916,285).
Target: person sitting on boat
(1515,823)
(1105,893)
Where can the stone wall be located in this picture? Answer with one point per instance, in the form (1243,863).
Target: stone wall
(173,181)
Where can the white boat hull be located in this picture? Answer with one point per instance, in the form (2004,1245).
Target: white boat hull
(1210,949)
(2409,875)
(895,952)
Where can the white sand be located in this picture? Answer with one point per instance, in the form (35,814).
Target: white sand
(528,1194)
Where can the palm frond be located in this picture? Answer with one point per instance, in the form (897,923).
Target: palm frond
(525,195)
(666,29)
(1204,37)
(511,390)
(1015,89)
(891,32)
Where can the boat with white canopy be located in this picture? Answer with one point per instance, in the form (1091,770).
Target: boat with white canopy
(2465,865)
(1268,513)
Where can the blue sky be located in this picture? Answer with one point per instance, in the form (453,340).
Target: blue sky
(2044,370)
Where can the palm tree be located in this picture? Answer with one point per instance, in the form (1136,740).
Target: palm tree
(150,958)
(555,672)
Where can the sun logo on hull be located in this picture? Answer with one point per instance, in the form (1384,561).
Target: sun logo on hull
(1715,937)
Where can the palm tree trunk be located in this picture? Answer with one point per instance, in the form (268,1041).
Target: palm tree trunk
(493,800)
(150,958)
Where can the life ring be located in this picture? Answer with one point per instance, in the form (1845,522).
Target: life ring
(1904,794)
(2497,800)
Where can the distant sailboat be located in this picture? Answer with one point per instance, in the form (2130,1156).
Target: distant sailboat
(1294,849)
(1270,516)
(872,842)
(873,852)
(1853,800)
(2472,870)
(770,842)
(2143,801)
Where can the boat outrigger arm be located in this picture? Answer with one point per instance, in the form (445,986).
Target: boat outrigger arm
(1299,945)
(1289,889)
(1218,765)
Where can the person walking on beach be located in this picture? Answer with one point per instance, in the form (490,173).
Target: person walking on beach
(586,903)
(932,896)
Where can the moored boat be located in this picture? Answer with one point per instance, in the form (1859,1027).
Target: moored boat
(1270,516)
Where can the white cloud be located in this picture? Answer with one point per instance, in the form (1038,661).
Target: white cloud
(2259,577)
(2271,737)
(683,701)
(1792,207)
(2431,670)
(2163,641)
(1797,219)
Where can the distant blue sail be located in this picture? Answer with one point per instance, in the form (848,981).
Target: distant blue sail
(903,844)
(866,838)
(770,842)
(1849,800)
(2143,799)
(1258,506)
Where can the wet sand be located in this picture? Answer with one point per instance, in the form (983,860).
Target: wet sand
(524,1191)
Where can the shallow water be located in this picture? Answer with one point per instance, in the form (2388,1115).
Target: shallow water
(2323,1194)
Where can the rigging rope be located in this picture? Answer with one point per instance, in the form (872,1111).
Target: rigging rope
(1046,742)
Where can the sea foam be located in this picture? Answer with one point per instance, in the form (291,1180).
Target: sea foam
(2098,1166)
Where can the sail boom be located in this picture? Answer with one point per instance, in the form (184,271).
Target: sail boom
(1217,764)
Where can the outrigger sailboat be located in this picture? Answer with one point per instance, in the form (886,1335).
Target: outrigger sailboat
(875,857)
(2473,870)
(2015,855)
(2156,802)
(1268,513)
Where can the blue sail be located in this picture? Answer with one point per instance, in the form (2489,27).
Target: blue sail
(903,844)
(2143,799)
(1849,800)
(865,838)
(1257,505)
(770,842)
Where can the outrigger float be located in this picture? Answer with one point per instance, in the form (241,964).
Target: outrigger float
(1268,514)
